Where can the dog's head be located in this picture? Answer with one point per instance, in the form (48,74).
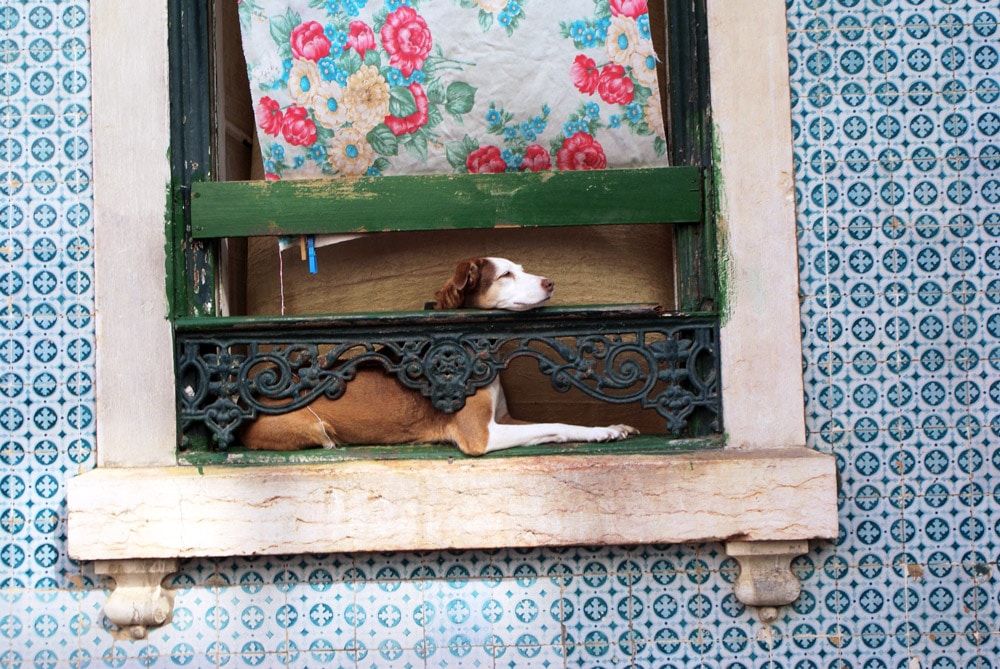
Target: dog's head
(493,283)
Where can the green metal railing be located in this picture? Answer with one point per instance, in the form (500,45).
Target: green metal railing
(232,370)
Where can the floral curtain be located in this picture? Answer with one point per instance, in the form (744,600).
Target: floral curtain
(345,88)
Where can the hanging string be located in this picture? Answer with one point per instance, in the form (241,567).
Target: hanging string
(281,279)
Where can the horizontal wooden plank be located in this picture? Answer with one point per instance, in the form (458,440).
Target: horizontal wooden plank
(430,317)
(449,201)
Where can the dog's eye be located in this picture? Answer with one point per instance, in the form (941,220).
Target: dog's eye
(506,275)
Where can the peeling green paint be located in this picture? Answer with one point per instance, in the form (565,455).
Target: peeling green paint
(723,263)
(170,250)
(638,445)
(657,195)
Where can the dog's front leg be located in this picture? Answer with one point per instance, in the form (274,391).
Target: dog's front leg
(506,432)
(509,435)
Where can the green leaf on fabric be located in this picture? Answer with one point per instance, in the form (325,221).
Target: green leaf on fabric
(416,145)
(435,92)
(383,141)
(434,117)
(351,61)
(460,98)
(485,20)
(660,146)
(457,152)
(401,102)
(373,58)
(282,26)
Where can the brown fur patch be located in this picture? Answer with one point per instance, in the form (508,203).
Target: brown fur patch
(454,293)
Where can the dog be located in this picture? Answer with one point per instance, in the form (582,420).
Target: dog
(376,409)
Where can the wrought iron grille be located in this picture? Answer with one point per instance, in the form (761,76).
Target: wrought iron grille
(230,371)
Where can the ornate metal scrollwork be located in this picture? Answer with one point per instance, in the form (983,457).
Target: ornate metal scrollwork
(230,375)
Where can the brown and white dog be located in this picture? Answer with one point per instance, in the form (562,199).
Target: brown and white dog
(377,409)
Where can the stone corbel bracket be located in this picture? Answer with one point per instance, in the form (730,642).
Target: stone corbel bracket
(139,600)
(766,579)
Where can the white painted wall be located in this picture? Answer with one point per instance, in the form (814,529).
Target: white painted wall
(136,419)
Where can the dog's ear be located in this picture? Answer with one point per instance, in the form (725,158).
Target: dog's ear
(452,294)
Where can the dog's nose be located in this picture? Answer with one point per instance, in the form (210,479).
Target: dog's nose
(548,284)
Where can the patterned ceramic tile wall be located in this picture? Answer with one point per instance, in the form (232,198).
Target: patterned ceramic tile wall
(896,106)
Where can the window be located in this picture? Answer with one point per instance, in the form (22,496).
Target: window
(660,374)
(763,486)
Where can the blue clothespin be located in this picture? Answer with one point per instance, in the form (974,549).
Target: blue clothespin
(311,252)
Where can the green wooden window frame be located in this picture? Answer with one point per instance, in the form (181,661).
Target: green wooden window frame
(204,211)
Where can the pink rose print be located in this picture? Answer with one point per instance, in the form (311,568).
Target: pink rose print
(614,87)
(360,37)
(581,152)
(269,116)
(297,128)
(309,41)
(585,74)
(416,120)
(536,159)
(406,39)
(271,176)
(630,8)
(485,160)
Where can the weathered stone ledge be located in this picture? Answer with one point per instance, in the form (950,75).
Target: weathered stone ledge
(165,512)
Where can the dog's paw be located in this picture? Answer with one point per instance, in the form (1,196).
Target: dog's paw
(616,432)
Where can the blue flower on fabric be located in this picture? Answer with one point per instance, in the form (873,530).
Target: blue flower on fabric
(396,78)
(602,29)
(393,5)
(643,23)
(634,113)
(493,117)
(338,38)
(317,152)
(373,172)
(351,7)
(539,124)
(510,132)
(357,4)
(278,151)
(577,30)
(299,162)
(504,19)
(593,110)
(615,121)
(570,128)
(528,131)
(330,70)
(512,159)
(513,8)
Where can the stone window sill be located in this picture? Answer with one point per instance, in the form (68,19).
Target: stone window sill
(765,504)
(786,494)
